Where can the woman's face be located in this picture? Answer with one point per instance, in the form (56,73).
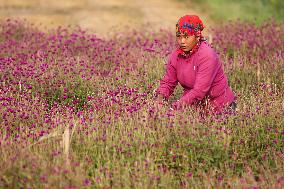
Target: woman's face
(186,42)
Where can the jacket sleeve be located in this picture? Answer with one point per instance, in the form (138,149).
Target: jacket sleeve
(169,81)
(207,69)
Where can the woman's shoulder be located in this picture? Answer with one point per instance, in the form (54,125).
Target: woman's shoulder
(172,57)
(206,50)
(173,54)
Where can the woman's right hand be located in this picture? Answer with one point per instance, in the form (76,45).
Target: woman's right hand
(159,101)
(178,105)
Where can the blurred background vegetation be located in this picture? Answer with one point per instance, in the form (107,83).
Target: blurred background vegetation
(104,17)
(251,10)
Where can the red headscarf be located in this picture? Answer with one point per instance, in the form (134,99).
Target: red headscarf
(190,25)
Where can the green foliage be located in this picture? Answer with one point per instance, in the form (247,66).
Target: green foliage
(73,93)
(224,10)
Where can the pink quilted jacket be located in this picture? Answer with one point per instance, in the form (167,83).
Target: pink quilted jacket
(201,75)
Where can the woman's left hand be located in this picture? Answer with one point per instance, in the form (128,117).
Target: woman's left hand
(177,105)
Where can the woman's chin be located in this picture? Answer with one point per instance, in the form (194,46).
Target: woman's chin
(185,51)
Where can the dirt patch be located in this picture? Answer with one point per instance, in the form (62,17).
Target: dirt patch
(101,17)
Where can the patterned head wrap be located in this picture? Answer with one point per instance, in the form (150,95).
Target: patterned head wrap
(189,25)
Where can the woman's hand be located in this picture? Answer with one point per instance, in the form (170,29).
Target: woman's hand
(159,102)
(178,105)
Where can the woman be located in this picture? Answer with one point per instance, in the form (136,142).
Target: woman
(196,66)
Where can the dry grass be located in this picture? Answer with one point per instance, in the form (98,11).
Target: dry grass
(101,17)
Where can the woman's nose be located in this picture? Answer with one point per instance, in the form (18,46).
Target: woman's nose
(182,40)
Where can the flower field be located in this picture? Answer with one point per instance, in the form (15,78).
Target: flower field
(77,111)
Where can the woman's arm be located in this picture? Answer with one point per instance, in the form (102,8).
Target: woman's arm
(207,69)
(169,81)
